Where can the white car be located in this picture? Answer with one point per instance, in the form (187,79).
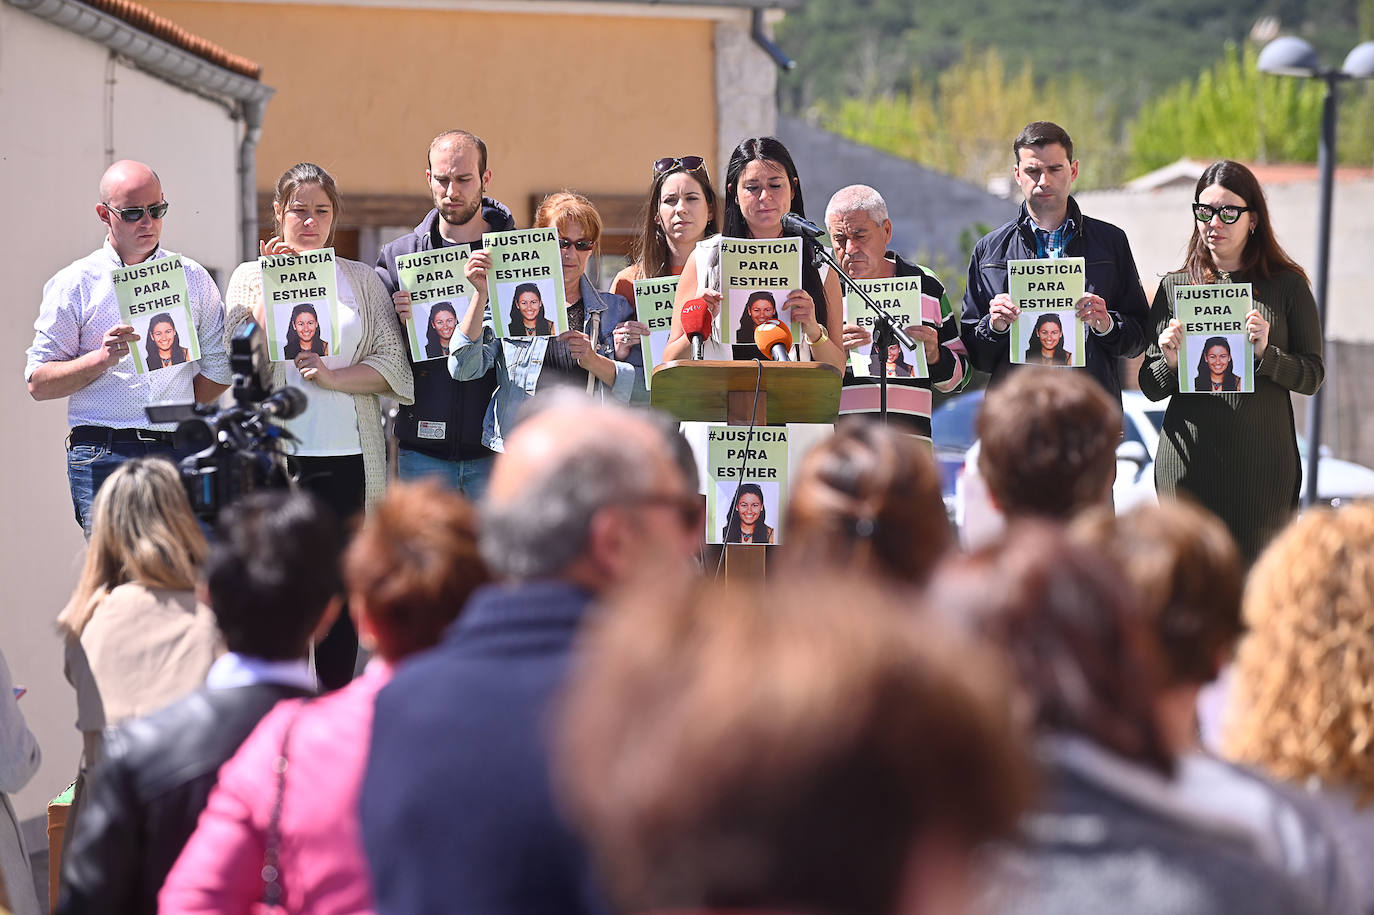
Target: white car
(1142,419)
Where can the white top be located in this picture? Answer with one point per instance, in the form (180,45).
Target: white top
(79,307)
(232,669)
(329,425)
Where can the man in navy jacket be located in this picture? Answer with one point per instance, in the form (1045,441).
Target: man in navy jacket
(458,810)
(1050,225)
(441,433)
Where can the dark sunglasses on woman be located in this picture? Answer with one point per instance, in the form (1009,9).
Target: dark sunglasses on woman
(1228,213)
(690,163)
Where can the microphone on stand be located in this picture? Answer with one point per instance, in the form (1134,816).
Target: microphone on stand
(800,225)
(696,324)
(774,340)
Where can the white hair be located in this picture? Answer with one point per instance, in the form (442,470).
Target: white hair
(857,198)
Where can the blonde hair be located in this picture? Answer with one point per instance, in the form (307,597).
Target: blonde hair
(142,531)
(1303,703)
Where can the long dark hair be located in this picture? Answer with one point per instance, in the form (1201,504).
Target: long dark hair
(1060,357)
(649,250)
(293,341)
(150,348)
(731,532)
(745,334)
(1263,255)
(516,328)
(758,149)
(1203,382)
(434,344)
(877,360)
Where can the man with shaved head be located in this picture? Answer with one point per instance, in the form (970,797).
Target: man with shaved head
(457,810)
(83,350)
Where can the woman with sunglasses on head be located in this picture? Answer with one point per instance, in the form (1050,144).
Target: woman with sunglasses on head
(573,358)
(681,212)
(762,186)
(341,452)
(1237,454)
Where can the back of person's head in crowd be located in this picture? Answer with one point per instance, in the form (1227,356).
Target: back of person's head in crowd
(868,499)
(1048,443)
(1187,576)
(142,530)
(412,566)
(1300,706)
(1067,619)
(788,749)
(589,493)
(273,576)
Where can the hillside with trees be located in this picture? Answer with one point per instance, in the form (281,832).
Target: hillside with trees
(1138,84)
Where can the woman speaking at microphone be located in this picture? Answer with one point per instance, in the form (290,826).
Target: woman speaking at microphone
(341,452)
(761,187)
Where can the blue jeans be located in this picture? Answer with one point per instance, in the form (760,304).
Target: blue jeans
(89,466)
(468,477)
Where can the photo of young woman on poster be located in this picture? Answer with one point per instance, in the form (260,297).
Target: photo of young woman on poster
(303,333)
(163,347)
(1215,368)
(1046,343)
(443,321)
(761,306)
(748,522)
(894,366)
(527,317)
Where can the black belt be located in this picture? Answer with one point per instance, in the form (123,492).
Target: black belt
(104,435)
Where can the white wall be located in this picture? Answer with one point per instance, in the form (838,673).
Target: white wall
(57,123)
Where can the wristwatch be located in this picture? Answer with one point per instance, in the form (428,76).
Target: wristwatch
(821,339)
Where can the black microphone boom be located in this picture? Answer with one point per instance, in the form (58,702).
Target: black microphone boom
(799,225)
(286,403)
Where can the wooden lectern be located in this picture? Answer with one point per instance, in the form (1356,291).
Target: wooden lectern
(713,392)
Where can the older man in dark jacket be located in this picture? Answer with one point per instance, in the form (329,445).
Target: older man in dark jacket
(1050,225)
(148,791)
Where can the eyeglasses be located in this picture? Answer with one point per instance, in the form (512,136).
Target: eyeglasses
(135,214)
(581,245)
(689,506)
(668,163)
(1228,214)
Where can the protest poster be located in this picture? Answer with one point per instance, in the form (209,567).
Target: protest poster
(439,297)
(301,297)
(758,495)
(1217,356)
(654,306)
(153,300)
(526,283)
(1048,331)
(901,296)
(756,274)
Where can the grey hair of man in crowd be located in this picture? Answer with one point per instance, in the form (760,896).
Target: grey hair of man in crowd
(541,530)
(857,198)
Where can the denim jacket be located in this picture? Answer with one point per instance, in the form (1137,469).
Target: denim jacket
(518,361)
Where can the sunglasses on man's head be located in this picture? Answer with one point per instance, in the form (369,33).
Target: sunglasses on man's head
(1228,214)
(135,214)
(581,245)
(691,163)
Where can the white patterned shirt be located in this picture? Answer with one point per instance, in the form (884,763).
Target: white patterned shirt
(79,307)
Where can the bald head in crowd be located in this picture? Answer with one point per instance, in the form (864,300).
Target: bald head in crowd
(125,187)
(586,493)
(1048,443)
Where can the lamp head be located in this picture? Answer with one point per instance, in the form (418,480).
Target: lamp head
(1289,56)
(1359,63)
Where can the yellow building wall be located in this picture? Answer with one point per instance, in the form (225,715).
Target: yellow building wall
(580,101)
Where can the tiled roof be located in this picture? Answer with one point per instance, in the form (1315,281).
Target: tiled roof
(144,19)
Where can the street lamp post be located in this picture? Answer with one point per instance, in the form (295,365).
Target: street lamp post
(1290,56)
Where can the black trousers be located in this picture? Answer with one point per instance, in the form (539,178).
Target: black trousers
(338,483)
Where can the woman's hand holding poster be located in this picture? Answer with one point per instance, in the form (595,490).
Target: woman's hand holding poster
(1048,330)
(301,295)
(152,299)
(1217,356)
(439,293)
(526,283)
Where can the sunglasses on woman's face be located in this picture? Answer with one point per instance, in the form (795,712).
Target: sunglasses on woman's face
(690,163)
(581,244)
(135,214)
(1228,214)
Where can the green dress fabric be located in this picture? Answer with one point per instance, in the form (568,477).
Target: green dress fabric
(1237,454)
